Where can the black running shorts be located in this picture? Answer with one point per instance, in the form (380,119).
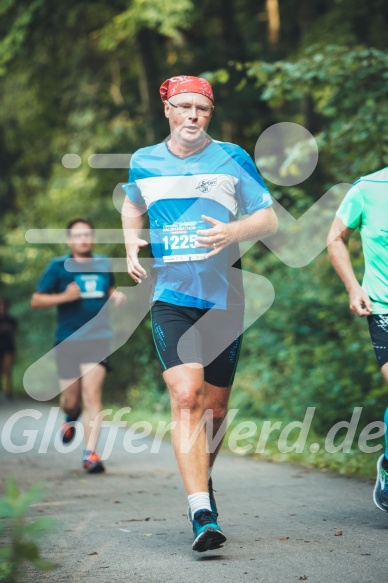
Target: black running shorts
(69,356)
(378,329)
(211,338)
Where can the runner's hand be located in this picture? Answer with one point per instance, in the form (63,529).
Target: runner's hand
(217,238)
(72,292)
(118,298)
(135,270)
(359,302)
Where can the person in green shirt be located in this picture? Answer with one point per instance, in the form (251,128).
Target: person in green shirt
(365,207)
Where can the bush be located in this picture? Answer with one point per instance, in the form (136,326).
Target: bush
(21,536)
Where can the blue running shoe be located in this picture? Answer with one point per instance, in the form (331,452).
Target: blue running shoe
(212,504)
(92,463)
(207,534)
(380,493)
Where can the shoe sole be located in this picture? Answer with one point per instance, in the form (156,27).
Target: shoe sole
(209,540)
(379,461)
(96,469)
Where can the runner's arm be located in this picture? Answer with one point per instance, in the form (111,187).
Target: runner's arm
(118,297)
(258,225)
(43,301)
(337,246)
(133,222)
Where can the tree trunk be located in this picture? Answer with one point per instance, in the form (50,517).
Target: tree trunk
(148,75)
(306,15)
(272,8)
(233,46)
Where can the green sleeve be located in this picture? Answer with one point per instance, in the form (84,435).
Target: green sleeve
(350,210)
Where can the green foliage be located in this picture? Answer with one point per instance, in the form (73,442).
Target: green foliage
(22,536)
(349,90)
(11,44)
(164,16)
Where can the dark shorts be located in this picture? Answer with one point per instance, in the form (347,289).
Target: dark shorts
(69,356)
(7,346)
(378,330)
(214,342)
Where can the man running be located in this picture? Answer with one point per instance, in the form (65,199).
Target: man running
(79,285)
(192,188)
(365,207)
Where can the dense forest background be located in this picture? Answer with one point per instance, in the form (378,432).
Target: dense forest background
(82,77)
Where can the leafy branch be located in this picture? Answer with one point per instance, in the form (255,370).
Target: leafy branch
(22,536)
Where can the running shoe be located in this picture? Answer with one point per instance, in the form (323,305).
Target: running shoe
(380,493)
(67,432)
(207,534)
(92,463)
(212,504)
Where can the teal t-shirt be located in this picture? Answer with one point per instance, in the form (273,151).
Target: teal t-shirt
(365,207)
(79,318)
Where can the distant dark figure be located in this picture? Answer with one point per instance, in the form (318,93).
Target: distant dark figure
(8,327)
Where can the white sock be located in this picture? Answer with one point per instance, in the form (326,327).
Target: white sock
(199,501)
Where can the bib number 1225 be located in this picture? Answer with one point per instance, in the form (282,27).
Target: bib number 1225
(176,242)
(179,241)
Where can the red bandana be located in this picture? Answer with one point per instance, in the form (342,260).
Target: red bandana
(185,84)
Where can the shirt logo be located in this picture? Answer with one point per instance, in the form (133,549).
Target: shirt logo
(91,285)
(206,185)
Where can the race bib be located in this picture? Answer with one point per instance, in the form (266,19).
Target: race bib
(178,242)
(91,286)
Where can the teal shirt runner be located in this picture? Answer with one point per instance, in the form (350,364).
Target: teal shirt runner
(365,207)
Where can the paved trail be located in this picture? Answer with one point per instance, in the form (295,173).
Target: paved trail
(284,523)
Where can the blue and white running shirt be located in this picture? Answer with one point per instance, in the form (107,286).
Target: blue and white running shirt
(219,181)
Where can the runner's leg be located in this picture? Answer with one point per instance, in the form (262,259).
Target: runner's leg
(186,387)
(7,373)
(70,399)
(384,370)
(91,387)
(216,400)
(217,328)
